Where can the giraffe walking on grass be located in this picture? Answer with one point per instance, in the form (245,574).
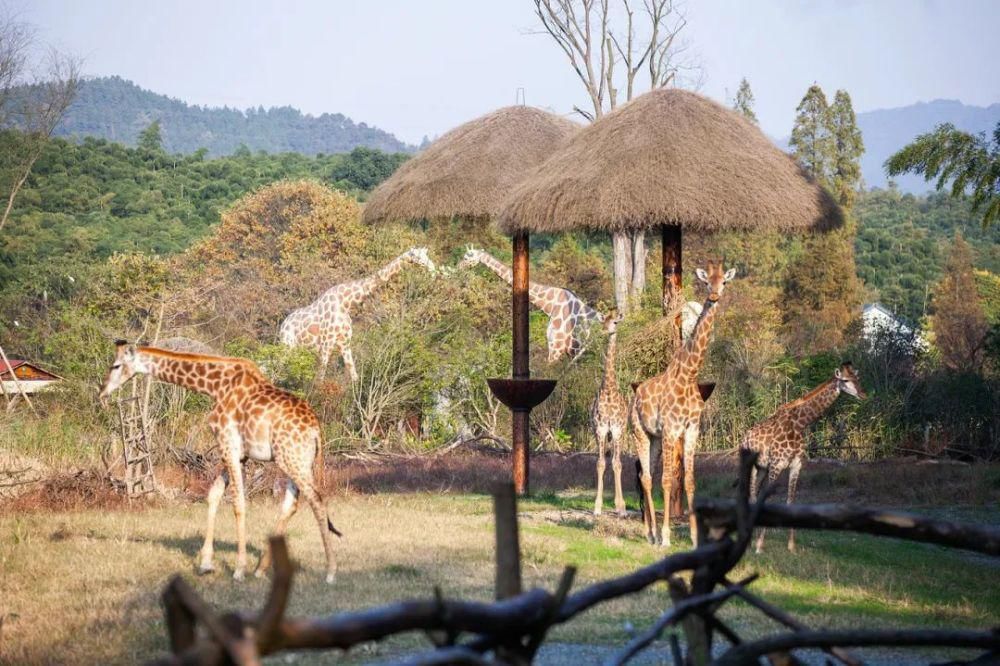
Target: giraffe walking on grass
(569,317)
(667,411)
(325,324)
(251,418)
(780,440)
(609,416)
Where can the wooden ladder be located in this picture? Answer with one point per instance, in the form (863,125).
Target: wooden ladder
(139,479)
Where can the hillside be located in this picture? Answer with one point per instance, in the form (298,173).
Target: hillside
(115,109)
(887,130)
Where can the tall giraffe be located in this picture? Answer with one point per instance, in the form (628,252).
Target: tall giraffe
(325,324)
(251,418)
(609,416)
(780,440)
(669,405)
(569,316)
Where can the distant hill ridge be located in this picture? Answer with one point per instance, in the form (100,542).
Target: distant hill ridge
(116,109)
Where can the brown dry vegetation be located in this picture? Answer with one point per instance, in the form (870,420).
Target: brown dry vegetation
(79,584)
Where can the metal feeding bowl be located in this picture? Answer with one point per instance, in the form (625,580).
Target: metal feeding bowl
(521,394)
(705,389)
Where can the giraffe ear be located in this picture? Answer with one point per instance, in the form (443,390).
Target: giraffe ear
(838,374)
(730,274)
(702,275)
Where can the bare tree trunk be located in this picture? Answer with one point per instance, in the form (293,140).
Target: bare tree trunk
(17,188)
(639,254)
(623,270)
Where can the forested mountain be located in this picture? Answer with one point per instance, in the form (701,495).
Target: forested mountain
(887,130)
(115,109)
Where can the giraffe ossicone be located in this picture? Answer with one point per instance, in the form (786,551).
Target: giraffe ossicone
(667,409)
(569,316)
(250,418)
(780,439)
(325,325)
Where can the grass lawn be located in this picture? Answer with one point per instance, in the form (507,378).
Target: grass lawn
(84,586)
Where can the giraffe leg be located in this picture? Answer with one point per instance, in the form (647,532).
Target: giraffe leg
(773,472)
(642,444)
(234,449)
(753,484)
(690,444)
(315,502)
(616,468)
(793,482)
(670,438)
(345,353)
(215,493)
(601,434)
(289,505)
(324,361)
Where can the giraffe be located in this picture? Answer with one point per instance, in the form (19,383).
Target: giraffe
(569,316)
(251,418)
(780,439)
(325,324)
(668,407)
(609,416)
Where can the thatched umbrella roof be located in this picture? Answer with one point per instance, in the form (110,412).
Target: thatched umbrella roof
(471,169)
(669,157)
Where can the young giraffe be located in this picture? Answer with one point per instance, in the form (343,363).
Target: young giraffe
(251,418)
(569,316)
(325,324)
(669,405)
(780,439)
(609,416)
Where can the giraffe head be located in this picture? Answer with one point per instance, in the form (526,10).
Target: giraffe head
(611,321)
(418,255)
(471,258)
(125,366)
(848,380)
(715,278)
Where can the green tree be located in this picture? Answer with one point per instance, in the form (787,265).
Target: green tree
(959,320)
(848,147)
(744,101)
(151,139)
(811,142)
(969,161)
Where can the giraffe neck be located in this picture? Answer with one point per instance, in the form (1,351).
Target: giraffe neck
(368,285)
(692,352)
(536,292)
(211,375)
(610,380)
(807,409)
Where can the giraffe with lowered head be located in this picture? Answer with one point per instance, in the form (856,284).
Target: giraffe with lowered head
(667,410)
(325,324)
(609,416)
(780,440)
(569,316)
(251,418)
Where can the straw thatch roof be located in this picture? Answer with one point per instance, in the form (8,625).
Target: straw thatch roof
(674,157)
(468,171)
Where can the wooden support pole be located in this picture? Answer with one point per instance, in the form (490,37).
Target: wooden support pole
(508,546)
(520,437)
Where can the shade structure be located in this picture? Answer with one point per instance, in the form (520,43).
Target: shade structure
(669,160)
(469,171)
(669,157)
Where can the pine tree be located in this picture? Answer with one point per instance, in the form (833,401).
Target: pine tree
(959,321)
(848,147)
(150,139)
(811,142)
(744,101)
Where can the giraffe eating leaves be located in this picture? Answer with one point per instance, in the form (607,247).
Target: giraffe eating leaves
(668,407)
(251,418)
(569,316)
(780,439)
(325,324)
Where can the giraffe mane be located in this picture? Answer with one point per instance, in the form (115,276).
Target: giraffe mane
(808,396)
(208,358)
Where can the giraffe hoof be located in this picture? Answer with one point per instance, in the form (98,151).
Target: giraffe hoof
(651,539)
(238,574)
(206,568)
(598,510)
(330,578)
(259,573)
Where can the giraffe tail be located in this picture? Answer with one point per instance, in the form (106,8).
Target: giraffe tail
(319,478)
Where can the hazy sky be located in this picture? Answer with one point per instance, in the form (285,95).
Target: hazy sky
(420,67)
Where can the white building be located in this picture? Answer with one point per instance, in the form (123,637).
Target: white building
(878,322)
